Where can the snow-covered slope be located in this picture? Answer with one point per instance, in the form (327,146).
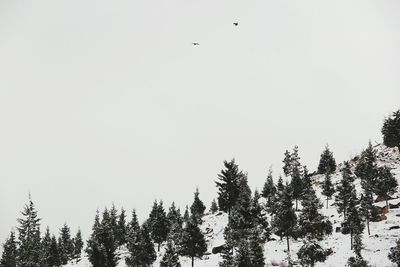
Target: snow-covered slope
(377,245)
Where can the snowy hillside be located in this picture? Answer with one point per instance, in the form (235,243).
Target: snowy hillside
(377,244)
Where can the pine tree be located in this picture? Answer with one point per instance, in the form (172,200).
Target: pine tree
(385,184)
(78,245)
(391,130)
(296,184)
(394,254)
(140,248)
(269,189)
(102,245)
(158,224)
(228,186)
(259,216)
(327,162)
(186,215)
(285,219)
(193,244)
(171,257)
(241,216)
(9,256)
(29,237)
(353,218)
(311,252)
(66,246)
(54,253)
(327,188)
(344,189)
(287,163)
(121,228)
(242,257)
(313,224)
(214,207)
(366,165)
(197,209)
(256,249)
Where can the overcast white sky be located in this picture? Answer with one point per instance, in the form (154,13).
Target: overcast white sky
(108,101)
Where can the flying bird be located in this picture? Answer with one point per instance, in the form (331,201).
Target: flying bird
(236,23)
(195,43)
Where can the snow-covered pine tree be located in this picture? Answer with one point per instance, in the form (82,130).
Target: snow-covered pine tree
(285,220)
(313,226)
(170,257)
(78,245)
(121,228)
(366,167)
(65,244)
(391,130)
(197,209)
(353,218)
(385,184)
(311,223)
(193,244)
(158,224)
(228,186)
(256,248)
(327,187)
(269,189)
(9,255)
(311,252)
(394,254)
(140,248)
(344,190)
(29,237)
(214,207)
(327,162)
(259,216)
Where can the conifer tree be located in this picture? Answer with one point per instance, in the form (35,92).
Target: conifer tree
(66,246)
(121,228)
(385,184)
(197,209)
(366,165)
(313,224)
(29,237)
(214,207)
(9,255)
(391,130)
(296,185)
(327,188)
(256,249)
(228,186)
(158,224)
(78,245)
(174,215)
(285,219)
(394,254)
(171,257)
(140,248)
(269,189)
(54,253)
(186,215)
(193,244)
(327,162)
(353,218)
(311,252)
(344,190)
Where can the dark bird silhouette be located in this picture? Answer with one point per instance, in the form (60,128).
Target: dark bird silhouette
(195,43)
(236,23)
